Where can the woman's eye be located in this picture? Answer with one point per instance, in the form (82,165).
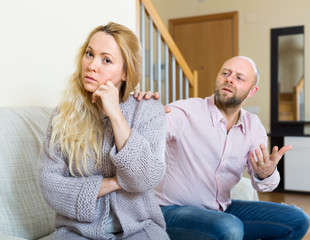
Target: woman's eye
(106,60)
(88,54)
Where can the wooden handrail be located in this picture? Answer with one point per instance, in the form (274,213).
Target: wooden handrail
(300,85)
(296,92)
(191,76)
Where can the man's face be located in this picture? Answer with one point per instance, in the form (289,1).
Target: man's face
(234,83)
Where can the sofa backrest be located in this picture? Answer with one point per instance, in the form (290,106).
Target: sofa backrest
(23,211)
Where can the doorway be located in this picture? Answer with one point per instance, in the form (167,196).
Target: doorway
(206,42)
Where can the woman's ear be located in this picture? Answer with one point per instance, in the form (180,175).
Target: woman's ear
(124,76)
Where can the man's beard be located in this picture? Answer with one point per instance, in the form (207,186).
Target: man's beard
(229,102)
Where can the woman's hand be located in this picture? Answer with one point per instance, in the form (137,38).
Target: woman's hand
(266,164)
(108,185)
(109,96)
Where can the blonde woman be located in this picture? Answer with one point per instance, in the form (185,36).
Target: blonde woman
(103,153)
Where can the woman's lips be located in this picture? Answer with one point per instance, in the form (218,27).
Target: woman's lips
(89,79)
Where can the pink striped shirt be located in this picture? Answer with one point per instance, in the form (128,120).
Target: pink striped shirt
(204,162)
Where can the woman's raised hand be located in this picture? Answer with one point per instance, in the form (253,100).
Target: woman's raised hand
(109,96)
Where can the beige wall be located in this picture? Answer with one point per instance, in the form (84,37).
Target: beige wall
(256,18)
(40,39)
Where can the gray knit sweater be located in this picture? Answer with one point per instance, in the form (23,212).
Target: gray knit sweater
(139,167)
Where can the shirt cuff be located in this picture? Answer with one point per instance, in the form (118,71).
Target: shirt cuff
(255,176)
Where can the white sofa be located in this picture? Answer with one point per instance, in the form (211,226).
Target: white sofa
(23,211)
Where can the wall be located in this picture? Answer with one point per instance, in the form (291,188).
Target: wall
(256,18)
(39,42)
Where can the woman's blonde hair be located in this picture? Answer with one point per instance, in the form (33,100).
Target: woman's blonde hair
(77,128)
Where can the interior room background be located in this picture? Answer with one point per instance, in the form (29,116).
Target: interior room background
(256,19)
(39,40)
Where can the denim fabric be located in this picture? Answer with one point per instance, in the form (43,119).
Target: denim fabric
(241,220)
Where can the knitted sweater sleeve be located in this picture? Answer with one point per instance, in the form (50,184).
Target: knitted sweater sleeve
(72,197)
(140,163)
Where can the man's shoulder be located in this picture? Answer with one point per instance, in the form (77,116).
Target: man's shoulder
(251,119)
(248,115)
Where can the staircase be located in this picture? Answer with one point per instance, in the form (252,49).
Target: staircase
(164,68)
(291,105)
(286,107)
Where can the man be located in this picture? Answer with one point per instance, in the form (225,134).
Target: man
(209,143)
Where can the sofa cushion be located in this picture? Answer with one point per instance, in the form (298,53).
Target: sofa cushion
(23,211)
(244,191)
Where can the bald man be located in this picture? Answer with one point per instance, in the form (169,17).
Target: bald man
(209,144)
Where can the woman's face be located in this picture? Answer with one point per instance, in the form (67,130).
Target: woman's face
(102,62)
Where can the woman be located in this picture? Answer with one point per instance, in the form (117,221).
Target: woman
(104,151)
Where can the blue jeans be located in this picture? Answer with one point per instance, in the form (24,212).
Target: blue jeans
(241,220)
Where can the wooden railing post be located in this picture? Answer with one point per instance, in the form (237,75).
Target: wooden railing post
(195,85)
(192,76)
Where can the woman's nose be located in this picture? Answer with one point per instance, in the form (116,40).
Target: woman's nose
(93,65)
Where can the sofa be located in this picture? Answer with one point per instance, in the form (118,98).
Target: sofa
(23,212)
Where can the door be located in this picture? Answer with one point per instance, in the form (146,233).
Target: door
(206,42)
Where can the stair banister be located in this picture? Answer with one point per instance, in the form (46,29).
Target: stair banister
(191,77)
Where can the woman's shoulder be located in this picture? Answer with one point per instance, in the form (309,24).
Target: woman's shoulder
(150,105)
(55,111)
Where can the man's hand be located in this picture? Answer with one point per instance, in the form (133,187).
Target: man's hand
(266,164)
(146,95)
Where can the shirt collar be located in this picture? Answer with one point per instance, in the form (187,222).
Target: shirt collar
(217,117)
(240,121)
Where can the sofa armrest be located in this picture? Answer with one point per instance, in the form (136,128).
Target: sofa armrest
(244,191)
(8,237)
(24,214)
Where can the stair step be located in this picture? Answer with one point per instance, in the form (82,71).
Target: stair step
(286,116)
(286,106)
(285,96)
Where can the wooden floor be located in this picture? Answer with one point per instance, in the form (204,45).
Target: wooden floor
(297,199)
